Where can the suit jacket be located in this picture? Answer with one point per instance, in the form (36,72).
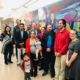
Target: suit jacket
(45,39)
(38,31)
(19,39)
(15,30)
(28,33)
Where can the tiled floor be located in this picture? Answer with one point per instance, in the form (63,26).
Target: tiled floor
(12,72)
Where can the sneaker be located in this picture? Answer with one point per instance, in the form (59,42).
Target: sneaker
(18,64)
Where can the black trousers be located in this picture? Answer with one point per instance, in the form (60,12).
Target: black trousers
(27,76)
(41,63)
(70,79)
(34,62)
(49,58)
(7,55)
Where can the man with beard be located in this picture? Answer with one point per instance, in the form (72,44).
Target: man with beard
(48,50)
(60,49)
(35,28)
(21,38)
(16,29)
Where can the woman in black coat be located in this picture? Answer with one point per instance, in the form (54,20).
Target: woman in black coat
(9,46)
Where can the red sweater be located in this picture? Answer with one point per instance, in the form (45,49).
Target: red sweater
(61,41)
(22,65)
(28,46)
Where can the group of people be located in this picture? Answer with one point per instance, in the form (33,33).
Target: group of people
(58,51)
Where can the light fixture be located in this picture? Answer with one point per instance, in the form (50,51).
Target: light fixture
(40,3)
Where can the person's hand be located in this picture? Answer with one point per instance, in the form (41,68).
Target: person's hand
(57,54)
(14,54)
(24,58)
(39,49)
(14,46)
(68,63)
(15,42)
(21,44)
(48,50)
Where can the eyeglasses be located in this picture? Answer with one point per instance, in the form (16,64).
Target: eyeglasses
(72,33)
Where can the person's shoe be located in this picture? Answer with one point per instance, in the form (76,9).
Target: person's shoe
(35,59)
(52,75)
(28,78)
(11,62)
(40,68)
(45,73)
(6,63)
(18,64)
(35,74)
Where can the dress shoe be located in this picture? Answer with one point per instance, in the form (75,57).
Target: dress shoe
(40,68)
(10,62)
(52,75)
(45,73)
(35,74)
(6,63)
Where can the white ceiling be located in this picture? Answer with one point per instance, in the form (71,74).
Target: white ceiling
(9,8)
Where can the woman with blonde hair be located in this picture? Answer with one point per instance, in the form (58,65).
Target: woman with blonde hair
(73,57)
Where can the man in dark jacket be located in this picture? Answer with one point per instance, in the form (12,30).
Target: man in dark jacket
(15,30)
(35,28)
(21,37)
(48,50)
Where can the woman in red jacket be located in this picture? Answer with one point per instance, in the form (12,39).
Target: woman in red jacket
(31,50)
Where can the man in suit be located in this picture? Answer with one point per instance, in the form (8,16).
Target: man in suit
(15,30)
(48,39)
(28,30)
(21,37)
(35,28)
